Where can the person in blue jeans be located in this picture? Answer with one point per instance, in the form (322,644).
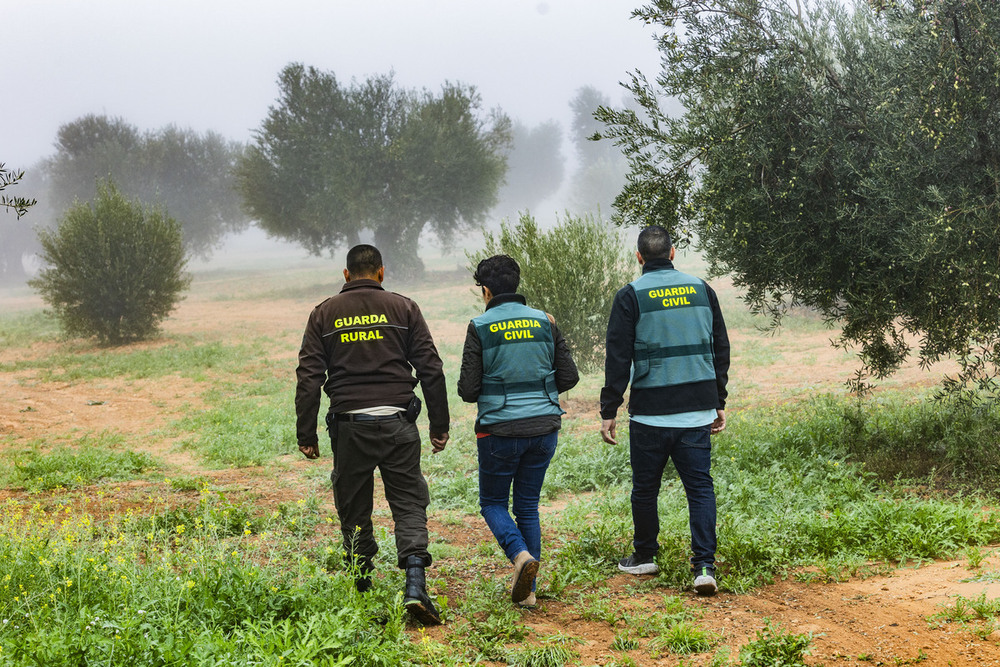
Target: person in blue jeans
(514,366)
(667,338)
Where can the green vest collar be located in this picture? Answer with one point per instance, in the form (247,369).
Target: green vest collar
(657,265)
(509,297)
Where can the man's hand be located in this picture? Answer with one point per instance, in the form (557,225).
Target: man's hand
(608,431)
(310,451)
(719,425)
(438,441)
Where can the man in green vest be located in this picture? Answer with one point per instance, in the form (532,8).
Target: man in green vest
(514,365)
(666,336)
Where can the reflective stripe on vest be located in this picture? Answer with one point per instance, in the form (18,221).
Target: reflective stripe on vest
(673,336)
(518,364)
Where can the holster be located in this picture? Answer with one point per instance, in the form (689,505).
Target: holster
(413,410)
(331,427)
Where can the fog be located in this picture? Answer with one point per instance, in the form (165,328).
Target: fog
(212,66)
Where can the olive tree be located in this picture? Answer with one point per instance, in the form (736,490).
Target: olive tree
(840,155)
(114,269)
(333,161)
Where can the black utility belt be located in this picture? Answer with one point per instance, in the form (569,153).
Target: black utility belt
(409,414)
(361,417)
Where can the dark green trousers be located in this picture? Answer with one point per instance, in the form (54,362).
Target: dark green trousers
(392,446)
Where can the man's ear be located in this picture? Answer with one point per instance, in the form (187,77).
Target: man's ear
(347,276)
(380,276)
(639,257)
(673,251)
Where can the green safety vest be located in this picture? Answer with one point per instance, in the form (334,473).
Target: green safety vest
(673,336)
(518,364)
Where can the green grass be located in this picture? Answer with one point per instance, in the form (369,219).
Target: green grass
(90,459)
(822,489)
(23,328)
(788,497)
(248,425)
(187,357)
(554,652)
(980,615)
(77,590)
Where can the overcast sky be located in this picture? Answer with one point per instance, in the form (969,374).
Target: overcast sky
(212,64)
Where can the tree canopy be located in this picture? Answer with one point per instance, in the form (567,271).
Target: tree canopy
(19,205)
(841,156)
(331,161)
(189,173)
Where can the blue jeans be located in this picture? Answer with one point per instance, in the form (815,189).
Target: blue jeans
(521,462)
(691,451)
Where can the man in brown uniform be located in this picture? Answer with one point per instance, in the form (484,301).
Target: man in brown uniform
(361,347)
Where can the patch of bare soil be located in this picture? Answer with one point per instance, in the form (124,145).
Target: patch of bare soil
(32,410)
(879,620)
(235,318)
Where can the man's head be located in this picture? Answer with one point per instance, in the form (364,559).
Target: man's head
(499,274)
(364,261)
(654,243)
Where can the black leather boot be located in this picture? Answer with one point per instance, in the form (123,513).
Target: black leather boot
(417,602)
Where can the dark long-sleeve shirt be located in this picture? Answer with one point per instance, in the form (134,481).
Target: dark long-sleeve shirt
(362,347)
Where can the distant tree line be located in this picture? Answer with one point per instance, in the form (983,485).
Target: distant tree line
(188,173)
(330,164)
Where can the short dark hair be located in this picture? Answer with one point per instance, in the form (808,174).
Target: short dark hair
(363,260)
(654,243)
(499,273)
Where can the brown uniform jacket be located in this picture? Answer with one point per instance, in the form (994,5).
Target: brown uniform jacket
(361,347)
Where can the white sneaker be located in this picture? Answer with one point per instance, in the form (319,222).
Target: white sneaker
(704,583)
(529,601)
(525,569)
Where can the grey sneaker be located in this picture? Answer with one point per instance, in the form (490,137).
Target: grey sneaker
(635,565)
(704,583)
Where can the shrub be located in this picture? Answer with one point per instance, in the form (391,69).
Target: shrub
(951,442)
(114,269)
(572,271)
